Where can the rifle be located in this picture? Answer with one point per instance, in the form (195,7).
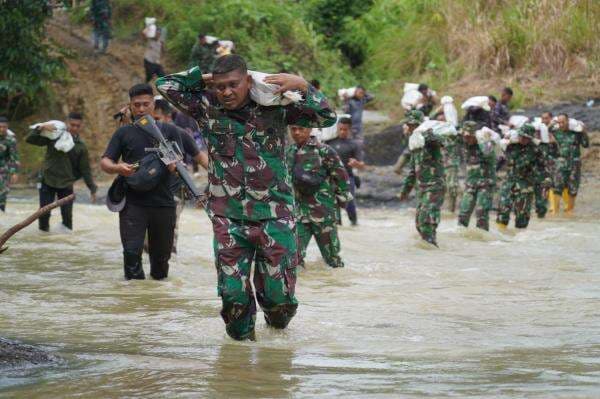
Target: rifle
(169,152)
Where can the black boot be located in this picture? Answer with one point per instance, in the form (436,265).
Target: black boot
(132,265)
(3,208)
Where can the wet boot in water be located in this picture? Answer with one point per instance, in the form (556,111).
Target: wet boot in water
(132,266)
(452,203)
(569,202)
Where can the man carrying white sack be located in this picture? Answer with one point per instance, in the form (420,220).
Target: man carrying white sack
(66,161)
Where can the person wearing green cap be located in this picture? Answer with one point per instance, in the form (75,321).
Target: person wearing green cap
(524,161)
(426,173)
(481,178)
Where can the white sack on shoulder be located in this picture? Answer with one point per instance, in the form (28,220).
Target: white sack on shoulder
(411,99)
(439,128)
(574,124)
(328,133)
(450,112)
(346,93)
(477,101)
(64,140)
(486,135)
(543,129)
(410,87)
(518,120)
(263,93)
(10,133)
(210,39)
(416,141)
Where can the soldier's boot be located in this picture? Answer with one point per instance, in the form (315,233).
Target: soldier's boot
(501,226)
(132,266)
(280,316)
(569,204)
(554,200)
(3,208)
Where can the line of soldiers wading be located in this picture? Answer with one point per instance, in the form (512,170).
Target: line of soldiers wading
(265,202)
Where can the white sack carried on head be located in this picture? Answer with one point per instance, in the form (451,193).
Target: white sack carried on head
(346,93)
(263,93)
(228,44)
(64,140)
(440,128)
(328,133)
(411,99)
(478,101)
(450,112)
(518,120)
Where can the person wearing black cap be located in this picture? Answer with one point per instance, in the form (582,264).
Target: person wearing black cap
(142,193)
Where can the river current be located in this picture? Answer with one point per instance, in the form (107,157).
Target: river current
(513,314)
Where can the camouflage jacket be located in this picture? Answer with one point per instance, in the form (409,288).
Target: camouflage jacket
(569,145)
(481,165)
(452,151)
(321,159)
(247,172)
(9,157)
(426,166)
(525,165)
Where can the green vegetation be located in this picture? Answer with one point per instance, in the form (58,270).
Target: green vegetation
(26,65)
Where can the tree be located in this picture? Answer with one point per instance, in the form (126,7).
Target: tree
(26,65)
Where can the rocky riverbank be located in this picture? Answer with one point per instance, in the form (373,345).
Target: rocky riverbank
(17,355)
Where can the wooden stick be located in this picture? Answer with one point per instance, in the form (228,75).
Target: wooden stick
(20,226)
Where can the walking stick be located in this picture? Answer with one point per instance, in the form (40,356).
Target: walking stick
(19,226)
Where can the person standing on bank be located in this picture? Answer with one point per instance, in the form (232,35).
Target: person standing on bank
(155,44)
(62,168)
(250,199)
(355,106)
(149,209)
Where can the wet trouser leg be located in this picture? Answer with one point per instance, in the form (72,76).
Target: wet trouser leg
(467,205)
(304,235)
(47,195)
(66,211)
(161,226)
(273,245)
(180,204)
(3,201)
(505,204)
(428,214)
(133,223)
(351,206)
(541,201)
(522,208)
(482,208)
(328,241)
(452,186)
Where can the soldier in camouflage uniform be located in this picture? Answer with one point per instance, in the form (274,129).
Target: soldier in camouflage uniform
(9,161)
(426,172)
(320,182)
(203,54)
(452,155)
(548,149)
(481,178)
(524,161)
(250,196)
(567,173)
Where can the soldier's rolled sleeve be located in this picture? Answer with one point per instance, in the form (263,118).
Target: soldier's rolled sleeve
(312,111)
(185,90)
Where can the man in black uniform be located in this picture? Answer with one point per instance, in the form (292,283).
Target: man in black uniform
(152,210)
(350,153)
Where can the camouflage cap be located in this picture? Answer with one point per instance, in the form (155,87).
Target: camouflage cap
(527,130)
(469,127)
(414,117)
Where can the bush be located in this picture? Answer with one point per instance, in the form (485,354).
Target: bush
(271,35)
(26,66)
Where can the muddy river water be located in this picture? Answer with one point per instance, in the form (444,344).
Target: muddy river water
(486,315)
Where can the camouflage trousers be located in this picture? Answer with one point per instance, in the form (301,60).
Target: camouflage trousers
(515,200)
(326,236)
(480,200)
(541,199)
(4,188)
(452,186)
(566,176)
(428,213)
(271,245)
